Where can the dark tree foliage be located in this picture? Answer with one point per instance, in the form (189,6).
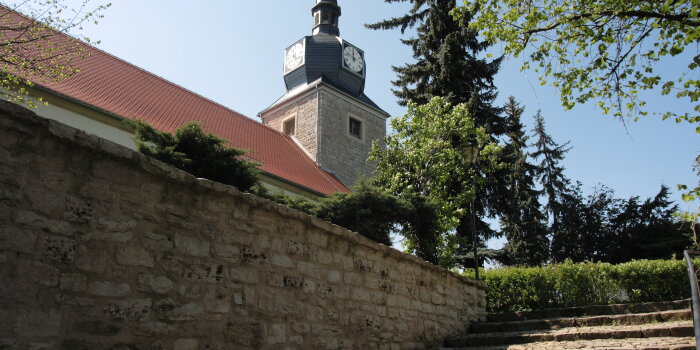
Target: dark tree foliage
(522,221)
(582,230)
(370,211)
(420,226)
(295,202)
(446,61)
(549,171)
(447,65)
(603,228)
(201,154)
(646,230)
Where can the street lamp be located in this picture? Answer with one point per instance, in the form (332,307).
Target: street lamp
(472,152)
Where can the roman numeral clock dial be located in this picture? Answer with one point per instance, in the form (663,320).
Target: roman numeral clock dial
(353,59)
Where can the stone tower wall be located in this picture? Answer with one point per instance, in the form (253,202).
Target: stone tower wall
(344,154)
(305,110)
(102,248)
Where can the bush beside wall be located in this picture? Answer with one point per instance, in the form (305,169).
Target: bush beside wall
(585,284)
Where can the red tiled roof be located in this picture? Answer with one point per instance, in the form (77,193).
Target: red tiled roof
(118,87)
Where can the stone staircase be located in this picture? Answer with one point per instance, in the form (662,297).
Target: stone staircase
(649,326)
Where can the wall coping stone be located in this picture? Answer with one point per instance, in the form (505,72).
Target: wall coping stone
(37,124)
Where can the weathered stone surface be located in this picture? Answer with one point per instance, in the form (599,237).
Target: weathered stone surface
(157,242)
(129,310)
(109,289)
(152,283)
(91,260)
(187,344)
(134,256)
(59,249)
(73,282)
(205,272)
(140,256)
(12,238)
(99,328)
(171,310)
(38,323)
(192,246)
(78,210)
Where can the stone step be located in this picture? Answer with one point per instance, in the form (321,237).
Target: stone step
(586,321)
(616,309)
(661,343)
(666,329)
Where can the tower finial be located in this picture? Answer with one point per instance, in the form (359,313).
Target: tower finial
(326,14)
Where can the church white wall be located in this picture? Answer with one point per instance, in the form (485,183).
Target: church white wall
(89,125)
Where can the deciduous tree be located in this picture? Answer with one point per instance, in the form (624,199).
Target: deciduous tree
(33,47)
(432,153)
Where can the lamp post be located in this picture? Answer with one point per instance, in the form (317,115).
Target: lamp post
(473,153)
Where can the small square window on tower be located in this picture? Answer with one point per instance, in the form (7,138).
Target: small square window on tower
(289,126)
(355,128)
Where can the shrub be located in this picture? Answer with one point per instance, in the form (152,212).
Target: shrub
(203,155)
(369,210)
(585,284)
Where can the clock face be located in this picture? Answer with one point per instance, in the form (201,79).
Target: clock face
(294,57)
(353,59)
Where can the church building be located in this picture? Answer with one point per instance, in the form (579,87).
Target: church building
(325,109)
(313,141)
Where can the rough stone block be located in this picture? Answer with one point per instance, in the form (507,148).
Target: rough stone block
(40,346)
(152,283)
(38,324)
(129,310)
(78,210)
(59,249)
(217,299)
(157,242)
(22,241)
(276,334)
(96,327)
(317,238)
(171,310)
(212,273)
(334,276)
(134,256)
(155,329)
(281,261)
(186,344)
(253,256)
(91,260)
(73,282)
(81,344)
(227,252)
(109,289)
(192,246)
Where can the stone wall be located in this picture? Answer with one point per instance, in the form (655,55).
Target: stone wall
(102,248)
(305,111)
(340,151)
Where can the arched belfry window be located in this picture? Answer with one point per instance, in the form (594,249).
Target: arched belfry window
(317,19)
(325,17)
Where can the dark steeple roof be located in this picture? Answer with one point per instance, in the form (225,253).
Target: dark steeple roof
(326,14)
(323,54)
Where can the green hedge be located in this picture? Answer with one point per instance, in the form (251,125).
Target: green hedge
(585,284)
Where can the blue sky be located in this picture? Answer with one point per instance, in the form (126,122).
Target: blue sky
(232,52)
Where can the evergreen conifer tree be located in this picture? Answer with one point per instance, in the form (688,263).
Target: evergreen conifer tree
(447,65)
(549,172)
(522,221)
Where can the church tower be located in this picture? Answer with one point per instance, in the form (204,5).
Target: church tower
(325,109)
